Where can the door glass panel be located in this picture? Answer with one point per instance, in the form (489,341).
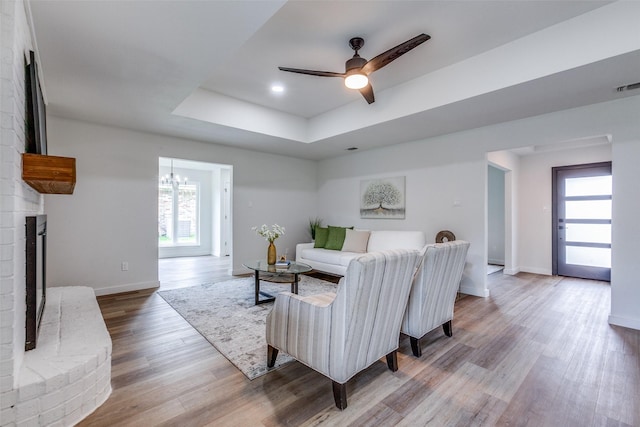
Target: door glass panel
(593,257)
(588,209)
(588,186)
(588,233)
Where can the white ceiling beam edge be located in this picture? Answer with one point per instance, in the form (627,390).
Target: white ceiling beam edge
(213,107)
(603,33)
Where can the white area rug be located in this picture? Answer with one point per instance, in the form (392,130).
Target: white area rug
(225,314)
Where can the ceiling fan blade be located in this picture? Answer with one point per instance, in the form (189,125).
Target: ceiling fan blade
(393,53)
(312,72)
(367,92)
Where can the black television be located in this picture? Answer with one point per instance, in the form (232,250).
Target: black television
(35,114)
(36,276)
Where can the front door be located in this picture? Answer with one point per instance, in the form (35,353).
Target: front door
(582,221)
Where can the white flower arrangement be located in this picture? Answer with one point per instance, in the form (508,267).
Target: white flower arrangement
(269,234)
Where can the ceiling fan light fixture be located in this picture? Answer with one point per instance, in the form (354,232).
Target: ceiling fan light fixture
(357,69)
(356,81)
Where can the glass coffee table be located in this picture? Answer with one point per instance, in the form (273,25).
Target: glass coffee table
(276,275)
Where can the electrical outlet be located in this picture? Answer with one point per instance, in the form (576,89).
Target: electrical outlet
(124,266)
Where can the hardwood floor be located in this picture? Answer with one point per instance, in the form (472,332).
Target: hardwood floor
(190,271)
(538,352)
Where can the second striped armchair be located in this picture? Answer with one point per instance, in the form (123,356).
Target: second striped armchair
(434,290)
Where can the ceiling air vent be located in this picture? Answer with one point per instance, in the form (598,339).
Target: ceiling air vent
(628,87)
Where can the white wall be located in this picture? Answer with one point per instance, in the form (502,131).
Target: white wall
(441,172)
(496,215)
(112,215)
(450,170)
(509,163)
(625,268)
(445,190)
(535,188)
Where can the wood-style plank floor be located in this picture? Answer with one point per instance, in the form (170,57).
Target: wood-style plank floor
(537,352)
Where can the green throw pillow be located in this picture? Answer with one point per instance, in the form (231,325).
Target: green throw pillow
(335,240)
(321,237)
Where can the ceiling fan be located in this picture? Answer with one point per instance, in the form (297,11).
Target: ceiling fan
(357,69)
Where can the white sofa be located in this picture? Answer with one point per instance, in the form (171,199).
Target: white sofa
(336,262)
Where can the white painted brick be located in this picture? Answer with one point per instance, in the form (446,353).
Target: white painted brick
(7,236)
(55,382)
(28,409)
(6,334)
(89,392)
(6,384)
(6,120)
(73,418)
(8,8)
(89,381)
(6,350)
(103,395)
(55,362)
(6,218)
(101,355)
(7,416)
(73,390)
(103,383)
(6,319)
(7,186)
(8,399)
(6,302)
(6,367)
(38,369)
(52,415)
(32,388)
(89,406)
(51,400)
(73,405)
(76,373)
(103,371)
(91,364)
(29,422)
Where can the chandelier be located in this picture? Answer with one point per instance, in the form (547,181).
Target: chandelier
(173,180)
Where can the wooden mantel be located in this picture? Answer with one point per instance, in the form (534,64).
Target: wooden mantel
(49,174)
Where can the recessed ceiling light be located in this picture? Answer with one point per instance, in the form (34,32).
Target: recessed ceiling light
(277,88)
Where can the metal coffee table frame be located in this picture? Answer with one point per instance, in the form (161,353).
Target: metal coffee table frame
(275,275)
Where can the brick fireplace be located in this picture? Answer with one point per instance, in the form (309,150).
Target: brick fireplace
(68,374)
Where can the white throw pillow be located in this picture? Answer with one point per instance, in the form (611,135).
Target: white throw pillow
(356,241)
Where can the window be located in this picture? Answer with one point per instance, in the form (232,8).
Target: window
(178,214)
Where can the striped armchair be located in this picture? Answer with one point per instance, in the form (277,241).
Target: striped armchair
(434,291)
(339,334)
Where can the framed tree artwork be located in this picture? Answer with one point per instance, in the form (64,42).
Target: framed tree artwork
(382,198)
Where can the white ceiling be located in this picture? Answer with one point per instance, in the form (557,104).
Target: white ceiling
(203,69)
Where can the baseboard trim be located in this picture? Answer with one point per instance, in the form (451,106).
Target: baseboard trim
(536,270)
(624,322)
(511,271)
(130,287)
(474,291)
